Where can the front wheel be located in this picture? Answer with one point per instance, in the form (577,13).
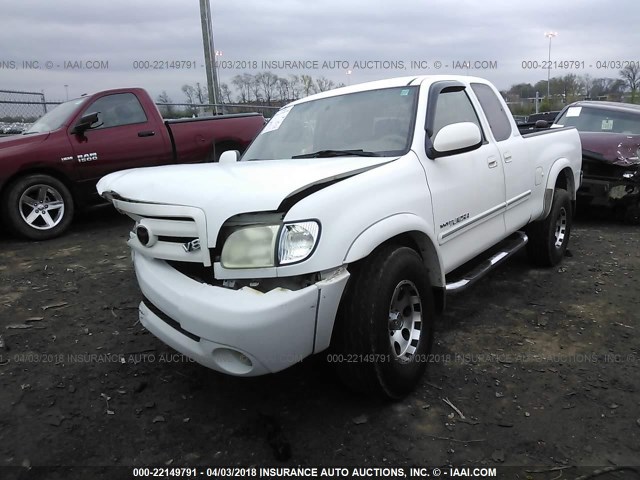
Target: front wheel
(384,328)
(549,238)
(38,207)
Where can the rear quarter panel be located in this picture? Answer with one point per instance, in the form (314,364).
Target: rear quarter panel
(552,151)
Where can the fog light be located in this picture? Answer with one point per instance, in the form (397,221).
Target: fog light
(145,236)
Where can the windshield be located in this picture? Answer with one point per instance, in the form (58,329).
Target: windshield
(56,117)
(590,119)
(371,123)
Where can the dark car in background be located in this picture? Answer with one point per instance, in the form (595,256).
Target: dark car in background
(537,121)
(610,136)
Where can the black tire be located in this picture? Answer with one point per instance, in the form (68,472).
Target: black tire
(632,214)
(46,199)
(549,238)
(365,357)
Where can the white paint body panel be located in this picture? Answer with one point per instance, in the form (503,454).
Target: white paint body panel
(455,207)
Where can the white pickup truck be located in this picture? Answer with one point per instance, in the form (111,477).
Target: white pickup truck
(345,224)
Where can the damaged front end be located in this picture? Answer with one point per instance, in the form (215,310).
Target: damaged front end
(611,172)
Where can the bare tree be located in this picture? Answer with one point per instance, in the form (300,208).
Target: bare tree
(163,99)
(190,92)
(307,85)
(587,84)
(201,94)
(267,82)
(602,87)
(294,87)
(225,92)
(284,90)
(323,84)
(571,86)
(631,76)
(243,84)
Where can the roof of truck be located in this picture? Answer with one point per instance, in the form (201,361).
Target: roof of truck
(390,83)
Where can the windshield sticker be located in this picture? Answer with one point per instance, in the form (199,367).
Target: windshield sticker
(607,124)
(574,111)
(404,92)
(277,120)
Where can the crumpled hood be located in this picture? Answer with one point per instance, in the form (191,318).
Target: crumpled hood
(225,190)
(614,148)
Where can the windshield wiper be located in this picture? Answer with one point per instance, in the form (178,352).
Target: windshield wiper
(30,133)
(337,153)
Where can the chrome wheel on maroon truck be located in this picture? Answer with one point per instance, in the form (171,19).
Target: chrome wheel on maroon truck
(38,207)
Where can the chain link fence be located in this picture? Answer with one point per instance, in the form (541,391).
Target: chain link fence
(182,110)
(18,110)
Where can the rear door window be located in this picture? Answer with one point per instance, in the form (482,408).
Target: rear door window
(493,109)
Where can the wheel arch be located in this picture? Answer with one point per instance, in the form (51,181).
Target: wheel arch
(561,175)
(39,170)
(403,230)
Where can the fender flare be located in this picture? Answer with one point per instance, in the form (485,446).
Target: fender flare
(389,227)
(558,166)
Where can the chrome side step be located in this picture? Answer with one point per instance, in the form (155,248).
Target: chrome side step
(509,246)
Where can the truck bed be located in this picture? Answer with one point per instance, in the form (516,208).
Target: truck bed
(192,138)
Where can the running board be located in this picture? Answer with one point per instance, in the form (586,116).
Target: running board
(509,246)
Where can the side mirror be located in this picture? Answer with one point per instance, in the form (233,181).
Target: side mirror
(85,123)
(456,138)
(542,124)
(229,156)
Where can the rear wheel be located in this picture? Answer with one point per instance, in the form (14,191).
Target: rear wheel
(549,238)
(384,328)
(38,207)
(632,214)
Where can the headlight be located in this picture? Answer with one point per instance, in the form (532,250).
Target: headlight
(256,246)
(250,247)
(297,241)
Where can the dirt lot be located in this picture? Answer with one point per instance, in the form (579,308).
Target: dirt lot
(543,364)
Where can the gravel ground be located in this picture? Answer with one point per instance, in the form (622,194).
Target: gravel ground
(532,369)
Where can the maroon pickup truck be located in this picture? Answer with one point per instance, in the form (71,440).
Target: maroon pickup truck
(51,170)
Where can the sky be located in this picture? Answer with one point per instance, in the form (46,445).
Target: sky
(90,46)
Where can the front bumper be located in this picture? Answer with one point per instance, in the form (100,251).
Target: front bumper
(239,332)
(609,191)
(610,184)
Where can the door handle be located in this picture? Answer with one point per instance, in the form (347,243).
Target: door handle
(492,162)
(507,157)
(146,133)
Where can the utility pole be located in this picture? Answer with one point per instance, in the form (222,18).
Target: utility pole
(209,54)
(549,35)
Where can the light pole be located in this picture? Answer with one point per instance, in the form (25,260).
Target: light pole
(209,53)
(349,72)
(549,35)
(66,88)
